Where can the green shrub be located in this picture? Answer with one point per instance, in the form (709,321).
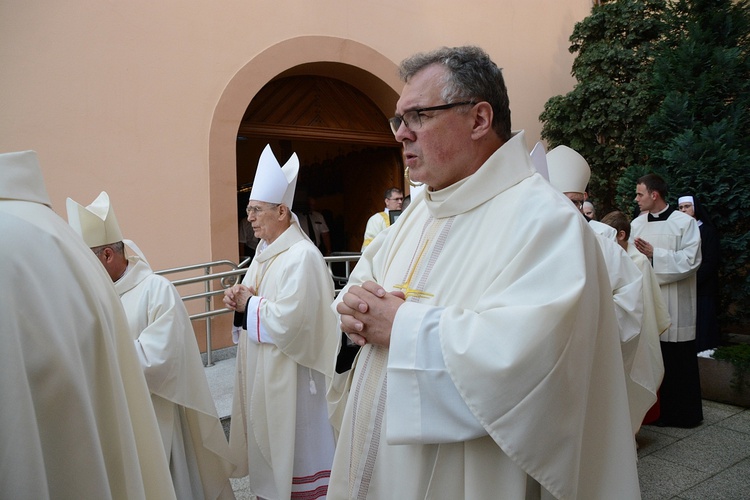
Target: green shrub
(739,356)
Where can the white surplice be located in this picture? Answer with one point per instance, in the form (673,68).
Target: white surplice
(193,437)
(285,361)
(75,419)
(504,374)
(676,259)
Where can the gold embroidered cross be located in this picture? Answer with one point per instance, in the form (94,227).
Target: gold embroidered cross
(406,287)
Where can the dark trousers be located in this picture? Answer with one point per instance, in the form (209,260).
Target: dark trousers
(680,392)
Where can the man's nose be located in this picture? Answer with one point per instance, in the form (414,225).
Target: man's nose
(403,133)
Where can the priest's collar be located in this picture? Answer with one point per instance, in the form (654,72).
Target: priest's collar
(441,195)
(291,235)
(661,216)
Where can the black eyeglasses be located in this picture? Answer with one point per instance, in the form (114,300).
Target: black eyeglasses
(412,119)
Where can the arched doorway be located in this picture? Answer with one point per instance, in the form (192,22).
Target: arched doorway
(291,96)
(348,155)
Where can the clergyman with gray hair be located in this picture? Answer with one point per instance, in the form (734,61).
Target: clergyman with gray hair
(490,363)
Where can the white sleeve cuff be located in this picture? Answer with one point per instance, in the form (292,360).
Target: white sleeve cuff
(256,332)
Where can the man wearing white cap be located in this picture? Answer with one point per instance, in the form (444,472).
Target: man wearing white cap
(671,240)
(193,438)
(569,173)
(288,341)
(75,419)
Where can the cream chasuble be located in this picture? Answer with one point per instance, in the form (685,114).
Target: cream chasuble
(504,378)
(75,419)
(193,438)
(677,257)
(285,361)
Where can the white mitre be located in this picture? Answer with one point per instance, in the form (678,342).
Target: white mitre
(539,159)
(21,178)
(96,223)
(273,183)
(568,171)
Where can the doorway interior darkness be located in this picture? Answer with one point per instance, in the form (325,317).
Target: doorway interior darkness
(348,155)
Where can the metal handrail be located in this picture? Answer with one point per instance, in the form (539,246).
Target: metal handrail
(207,278)
(229,278)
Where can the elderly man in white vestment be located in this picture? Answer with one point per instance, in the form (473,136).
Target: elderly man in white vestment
(671,241)
(75,418)
(490,364)
(569,172)
(287,348)
(194,441)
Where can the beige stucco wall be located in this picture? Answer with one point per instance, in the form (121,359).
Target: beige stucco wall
(143,99)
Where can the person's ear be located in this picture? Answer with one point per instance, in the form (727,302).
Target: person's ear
(107,254)
(483,115)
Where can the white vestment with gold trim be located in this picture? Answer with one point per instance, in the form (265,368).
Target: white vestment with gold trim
(504,377)
(285,360)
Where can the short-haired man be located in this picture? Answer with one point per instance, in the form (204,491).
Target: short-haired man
(394,200)
(491,321)
(288,342)
(194,443)
(671,240)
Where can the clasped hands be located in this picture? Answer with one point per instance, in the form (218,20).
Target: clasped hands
(367,313)
(236,297)
(644,247)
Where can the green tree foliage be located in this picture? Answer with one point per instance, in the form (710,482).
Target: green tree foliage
(603,117)
(664,86)
(699,137)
